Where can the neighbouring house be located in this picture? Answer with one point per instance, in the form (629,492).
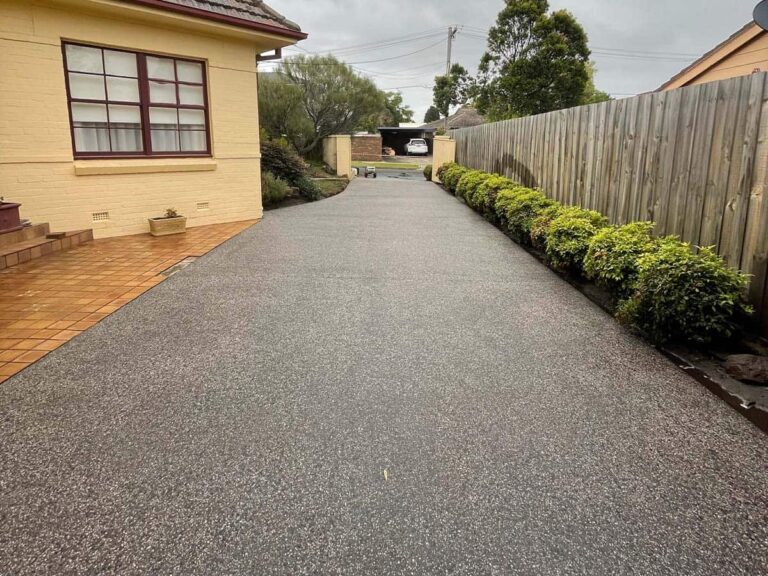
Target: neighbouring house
(114,110)
(396,137)
(464,117)
(743,53)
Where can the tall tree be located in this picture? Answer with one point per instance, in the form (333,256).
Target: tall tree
(399,113)
(431,115)
(535,62)
(311,97)
(591,94)
(453,89)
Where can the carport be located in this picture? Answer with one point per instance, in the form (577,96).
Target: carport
(396,137)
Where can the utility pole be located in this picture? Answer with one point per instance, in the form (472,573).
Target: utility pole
(451,35)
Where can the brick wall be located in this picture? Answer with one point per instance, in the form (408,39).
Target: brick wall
(366,148)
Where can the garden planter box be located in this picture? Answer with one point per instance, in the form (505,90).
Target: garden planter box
(10,221)
(167,226)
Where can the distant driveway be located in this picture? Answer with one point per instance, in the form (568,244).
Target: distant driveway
(378,383)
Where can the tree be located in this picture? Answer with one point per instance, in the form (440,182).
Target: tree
(311,97)
(392,112)
(431,115)
(452,89)
(591,94)
(535,62)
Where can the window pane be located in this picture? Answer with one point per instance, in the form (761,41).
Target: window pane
(84,59)
(191,95)
(189,71)
(89,114)
(165,140)
(91,139)
(163,117)
(161,68)
(162,93)
(126,140)
(120,63)
(191,119)
(193,140)
(123,89)
(86,86)
(127,116)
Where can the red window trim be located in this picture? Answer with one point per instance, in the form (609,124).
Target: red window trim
(144,104)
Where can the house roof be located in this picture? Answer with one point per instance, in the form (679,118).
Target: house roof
(253,14)
(465,117)
(727,47)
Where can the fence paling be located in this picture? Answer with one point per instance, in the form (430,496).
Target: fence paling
(693,160)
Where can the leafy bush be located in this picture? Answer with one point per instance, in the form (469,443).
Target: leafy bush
(428,172)
(612,258)
(273,189)
(685,296)
(541,223)
(452,175)
(308,189)
(442,168)
(569,234)
(522,209)
(280,160)
(470,181)
(483,199)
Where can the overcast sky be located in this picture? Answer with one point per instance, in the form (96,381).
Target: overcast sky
(636,44)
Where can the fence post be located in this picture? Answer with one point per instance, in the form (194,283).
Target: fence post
(444,151)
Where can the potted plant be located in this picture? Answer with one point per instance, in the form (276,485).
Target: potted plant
(10,221)
(171,223)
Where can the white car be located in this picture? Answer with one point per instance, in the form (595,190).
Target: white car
(416,146)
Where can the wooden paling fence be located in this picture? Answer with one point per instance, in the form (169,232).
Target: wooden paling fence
(693,160)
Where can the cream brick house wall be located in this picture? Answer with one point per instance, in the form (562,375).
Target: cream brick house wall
(37,166)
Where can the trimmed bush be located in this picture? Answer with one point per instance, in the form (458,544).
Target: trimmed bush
(308,189)
(282,162)
(451,174)
(612,258)
(541,223)
(522,209)
(685,296)
(484,197)
(428,172)
(470,181)
(569,234)
(273,189)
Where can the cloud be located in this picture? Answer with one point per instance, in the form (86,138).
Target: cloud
(622,34)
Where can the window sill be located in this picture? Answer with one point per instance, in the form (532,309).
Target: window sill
(143,166)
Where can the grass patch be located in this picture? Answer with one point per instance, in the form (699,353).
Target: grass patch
(391,165)
(330,188)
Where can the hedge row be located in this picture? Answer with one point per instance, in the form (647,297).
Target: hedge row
(661,285)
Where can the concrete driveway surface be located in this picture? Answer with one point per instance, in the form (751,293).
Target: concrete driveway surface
(378,383)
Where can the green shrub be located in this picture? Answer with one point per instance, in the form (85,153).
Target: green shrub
(308,189)
(569,234)
(682,296)
(522,209)
(470,181)
(428,172)
(273,189)
(612,258)
(279,159)
(541,223)
(483,199)
(450,174)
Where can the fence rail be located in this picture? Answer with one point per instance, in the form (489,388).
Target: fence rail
(693,160)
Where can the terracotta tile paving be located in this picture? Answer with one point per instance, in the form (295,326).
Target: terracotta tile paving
(46,302)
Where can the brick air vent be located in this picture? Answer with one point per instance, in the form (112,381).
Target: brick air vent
(203,205)
(100,216)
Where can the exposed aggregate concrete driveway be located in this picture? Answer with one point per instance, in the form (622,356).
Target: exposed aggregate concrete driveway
(240,417)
